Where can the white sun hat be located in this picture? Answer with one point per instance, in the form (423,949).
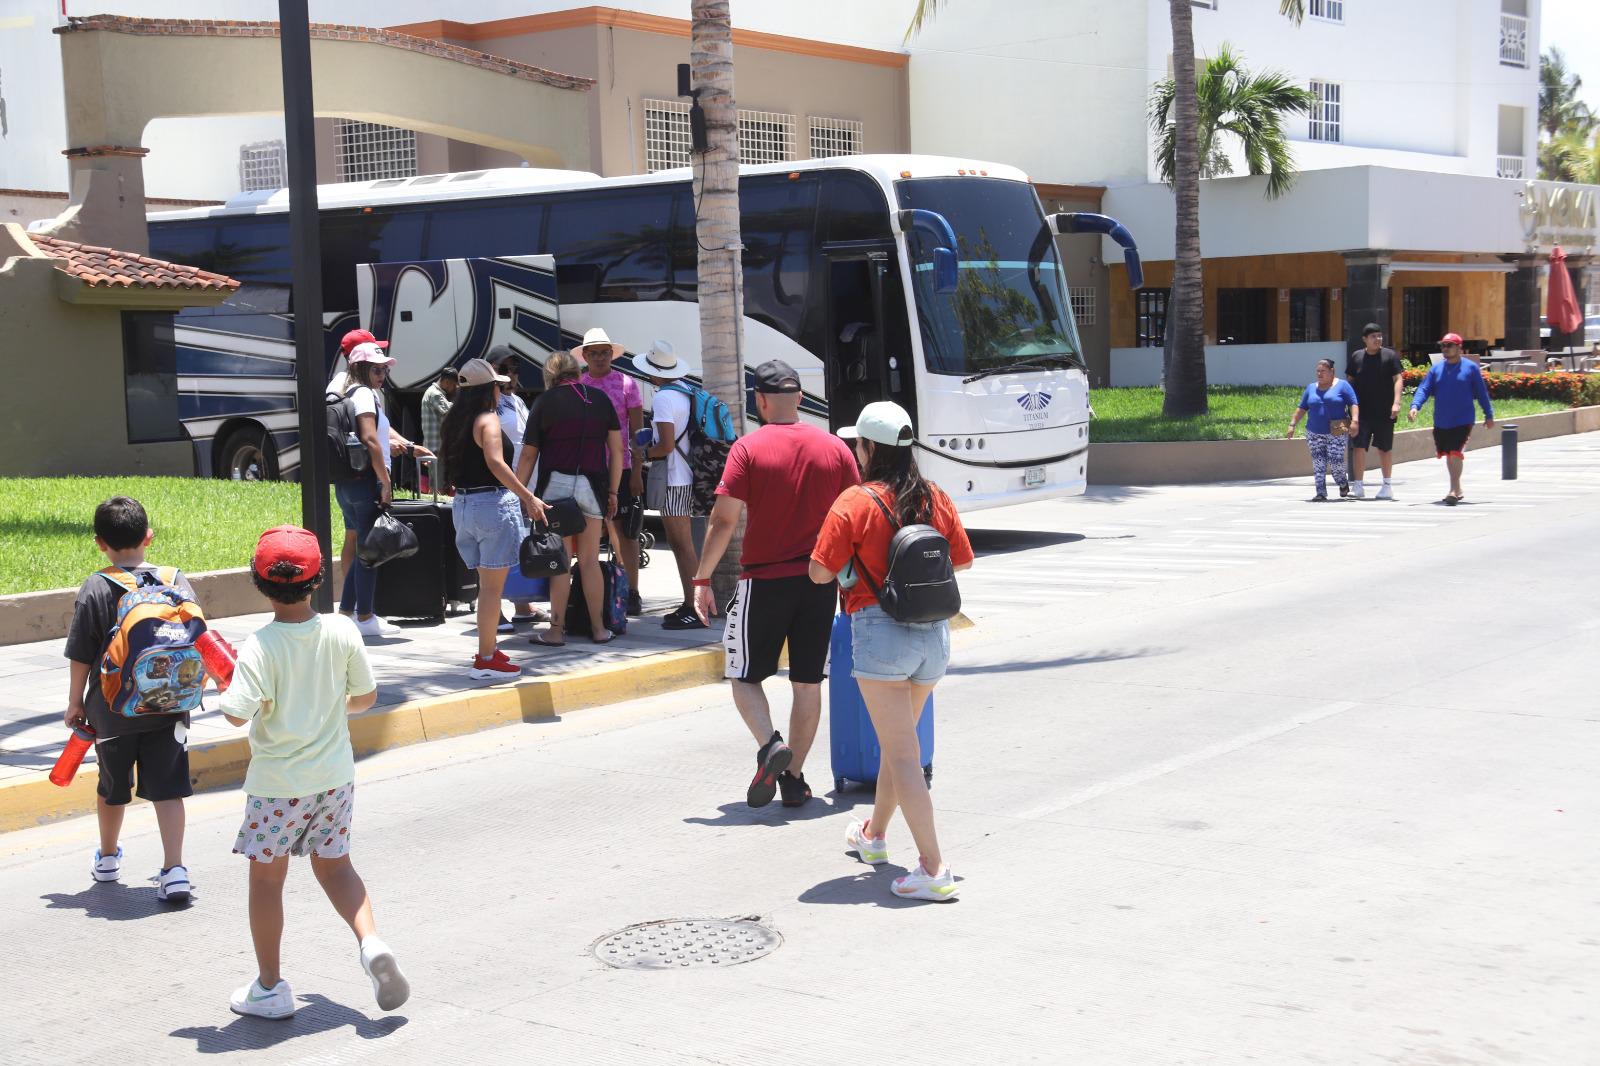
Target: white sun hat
(662,362)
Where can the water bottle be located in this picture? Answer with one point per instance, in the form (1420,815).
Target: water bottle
(72,756)
(218,656)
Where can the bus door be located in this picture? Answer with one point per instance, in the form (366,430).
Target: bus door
(864,361)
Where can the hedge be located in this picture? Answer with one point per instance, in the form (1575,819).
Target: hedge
(1574,390)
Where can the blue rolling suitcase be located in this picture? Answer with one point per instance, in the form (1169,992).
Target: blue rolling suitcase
(853,740)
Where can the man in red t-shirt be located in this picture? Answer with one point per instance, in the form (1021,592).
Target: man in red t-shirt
(787,474)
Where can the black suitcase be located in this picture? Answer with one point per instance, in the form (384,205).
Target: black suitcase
(421,585)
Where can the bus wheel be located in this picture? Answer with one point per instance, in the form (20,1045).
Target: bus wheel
(247,455)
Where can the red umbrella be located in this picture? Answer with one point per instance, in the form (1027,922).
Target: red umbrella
(1561,307)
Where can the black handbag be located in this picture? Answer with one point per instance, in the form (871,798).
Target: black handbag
(564,517)
(542,554)
(388,539)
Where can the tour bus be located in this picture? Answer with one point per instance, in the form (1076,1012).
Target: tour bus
(929,281)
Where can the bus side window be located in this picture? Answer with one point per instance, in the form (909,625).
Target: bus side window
(255,251)
(475,229)
(350,238)
(612,246)
(190,243)
(777,223)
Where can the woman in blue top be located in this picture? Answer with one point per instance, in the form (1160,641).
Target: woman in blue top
(1332,418)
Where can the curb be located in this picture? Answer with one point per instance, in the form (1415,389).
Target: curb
(30,801)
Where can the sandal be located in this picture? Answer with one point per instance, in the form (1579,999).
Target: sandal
(544,638)
(1450,500)
(610,636)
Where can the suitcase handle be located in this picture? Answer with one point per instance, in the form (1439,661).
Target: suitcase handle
(433,484)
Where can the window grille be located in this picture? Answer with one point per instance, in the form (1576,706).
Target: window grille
(263,165)
(1082,297)
(834,136)
(1326,117)
(367,151)
(1330,10)
(666,135)
(765,137)
(1151,318)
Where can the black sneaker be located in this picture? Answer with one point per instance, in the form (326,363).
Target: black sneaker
(635,605)
(771,761)
(683,618)
(794,788)
(1321,497)
(1344,491)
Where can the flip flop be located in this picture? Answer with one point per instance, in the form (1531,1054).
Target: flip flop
(610,636)
(1450,501)
(541,638)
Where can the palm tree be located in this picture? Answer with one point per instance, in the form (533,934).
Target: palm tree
(1184,378)
(721,275)
(1249,107)
(1566,123)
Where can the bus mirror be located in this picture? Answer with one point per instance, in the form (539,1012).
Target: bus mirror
(944,271)
(1088,222)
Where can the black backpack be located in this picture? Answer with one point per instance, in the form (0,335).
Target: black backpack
(346,461)
(920,585)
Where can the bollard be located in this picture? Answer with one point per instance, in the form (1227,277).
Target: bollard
(1508,452)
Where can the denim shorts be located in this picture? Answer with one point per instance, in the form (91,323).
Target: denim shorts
(576,487)
(886,650)
(489,528)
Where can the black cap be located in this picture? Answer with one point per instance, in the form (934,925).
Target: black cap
(776,376)
(500,353)
(1371,327)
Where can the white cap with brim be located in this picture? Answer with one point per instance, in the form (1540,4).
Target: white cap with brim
(662,362)
(597,336)
(884,422)
(479,372)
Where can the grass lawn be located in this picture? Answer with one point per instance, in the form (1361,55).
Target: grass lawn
(1238,413)
(47,524)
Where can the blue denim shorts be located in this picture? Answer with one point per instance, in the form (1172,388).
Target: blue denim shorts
(886,650)
(489,528)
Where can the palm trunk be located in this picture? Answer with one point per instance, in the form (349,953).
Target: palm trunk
(721,278)
(1186,352)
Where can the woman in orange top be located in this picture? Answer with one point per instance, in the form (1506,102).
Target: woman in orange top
(896,663)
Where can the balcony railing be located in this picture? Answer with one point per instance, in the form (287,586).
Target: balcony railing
(1513,40)
(1508,166)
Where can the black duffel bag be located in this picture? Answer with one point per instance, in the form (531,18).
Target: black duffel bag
(388,539)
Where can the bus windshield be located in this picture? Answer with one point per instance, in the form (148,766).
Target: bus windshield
(1010,305)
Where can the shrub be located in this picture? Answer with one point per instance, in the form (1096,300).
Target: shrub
(1574,390)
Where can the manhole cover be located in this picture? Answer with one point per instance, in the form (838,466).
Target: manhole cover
(672,945)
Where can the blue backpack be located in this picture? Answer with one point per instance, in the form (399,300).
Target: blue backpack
(709,417)
(150,665)
(706,444)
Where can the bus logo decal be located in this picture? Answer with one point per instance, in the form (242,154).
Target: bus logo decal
(1034,401)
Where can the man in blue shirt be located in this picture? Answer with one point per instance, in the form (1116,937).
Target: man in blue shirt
(1455,385)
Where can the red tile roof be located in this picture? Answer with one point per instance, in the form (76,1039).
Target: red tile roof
(107,267)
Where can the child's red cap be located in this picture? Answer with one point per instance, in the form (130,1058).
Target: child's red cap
(288,544)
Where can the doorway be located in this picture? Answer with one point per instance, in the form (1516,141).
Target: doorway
(867,341)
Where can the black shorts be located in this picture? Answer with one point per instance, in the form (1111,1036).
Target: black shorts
(625,499)
(1375,433)
(1449,440)
(765,613)
(162,762)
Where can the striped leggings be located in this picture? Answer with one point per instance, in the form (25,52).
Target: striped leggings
(1327,450)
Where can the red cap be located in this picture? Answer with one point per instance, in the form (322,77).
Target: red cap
(1450,338)
(288,544)
(359,336)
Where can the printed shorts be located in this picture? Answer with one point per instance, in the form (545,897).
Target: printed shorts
(768,612)
(317,824)
(883,649)
(489,528)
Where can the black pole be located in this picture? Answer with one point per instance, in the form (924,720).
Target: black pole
(294,28)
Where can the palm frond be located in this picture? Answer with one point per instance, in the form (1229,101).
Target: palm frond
(926,10)
(1293,10)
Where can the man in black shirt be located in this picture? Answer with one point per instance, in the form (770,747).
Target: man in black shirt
(1376,374)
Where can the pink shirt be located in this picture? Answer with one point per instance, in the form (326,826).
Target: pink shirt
(624,393)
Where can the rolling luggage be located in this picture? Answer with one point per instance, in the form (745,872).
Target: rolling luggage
(853,741)
(419,586)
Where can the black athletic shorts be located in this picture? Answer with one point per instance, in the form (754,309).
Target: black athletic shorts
(162,762)
(767,612)
(1449,440)
(1375,432)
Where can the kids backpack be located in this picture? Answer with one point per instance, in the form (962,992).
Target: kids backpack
(150,665)
(614,601)
(346,460)
(705,446)
(920,585)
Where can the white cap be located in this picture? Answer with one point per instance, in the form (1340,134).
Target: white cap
(479,372)
(662,362)
(884,422)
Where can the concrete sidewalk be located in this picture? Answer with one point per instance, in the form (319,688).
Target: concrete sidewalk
(424,693)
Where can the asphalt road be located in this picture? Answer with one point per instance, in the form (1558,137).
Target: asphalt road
(1227,778)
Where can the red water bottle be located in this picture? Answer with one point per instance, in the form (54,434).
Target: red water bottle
(72,757)
(219,658)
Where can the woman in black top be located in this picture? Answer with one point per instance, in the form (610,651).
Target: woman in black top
(489,504)
(574,429)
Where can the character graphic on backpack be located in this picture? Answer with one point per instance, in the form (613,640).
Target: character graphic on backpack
(151,665)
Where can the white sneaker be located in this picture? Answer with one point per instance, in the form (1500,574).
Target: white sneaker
(919,884)
(871,850)
(376,627)
(253,1000)
(107,867)
(388,983)
(1385,493)
(173,885)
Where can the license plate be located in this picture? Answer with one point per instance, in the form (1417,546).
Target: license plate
(1033,477)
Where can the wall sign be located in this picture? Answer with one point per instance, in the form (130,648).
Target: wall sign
(1559,214)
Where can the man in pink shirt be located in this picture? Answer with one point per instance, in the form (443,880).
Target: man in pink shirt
(598,351)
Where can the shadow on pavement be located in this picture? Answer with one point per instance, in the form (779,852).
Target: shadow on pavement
(867,888)
(112,901)
(317,1014)
(773,816)
(1063,660)
(1007,541)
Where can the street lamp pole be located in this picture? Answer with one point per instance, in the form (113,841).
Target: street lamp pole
(294,35)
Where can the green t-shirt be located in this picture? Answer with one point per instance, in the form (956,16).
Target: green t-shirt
(291,682)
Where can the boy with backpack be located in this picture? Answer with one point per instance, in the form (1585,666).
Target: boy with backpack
(154,688)
(297,679)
